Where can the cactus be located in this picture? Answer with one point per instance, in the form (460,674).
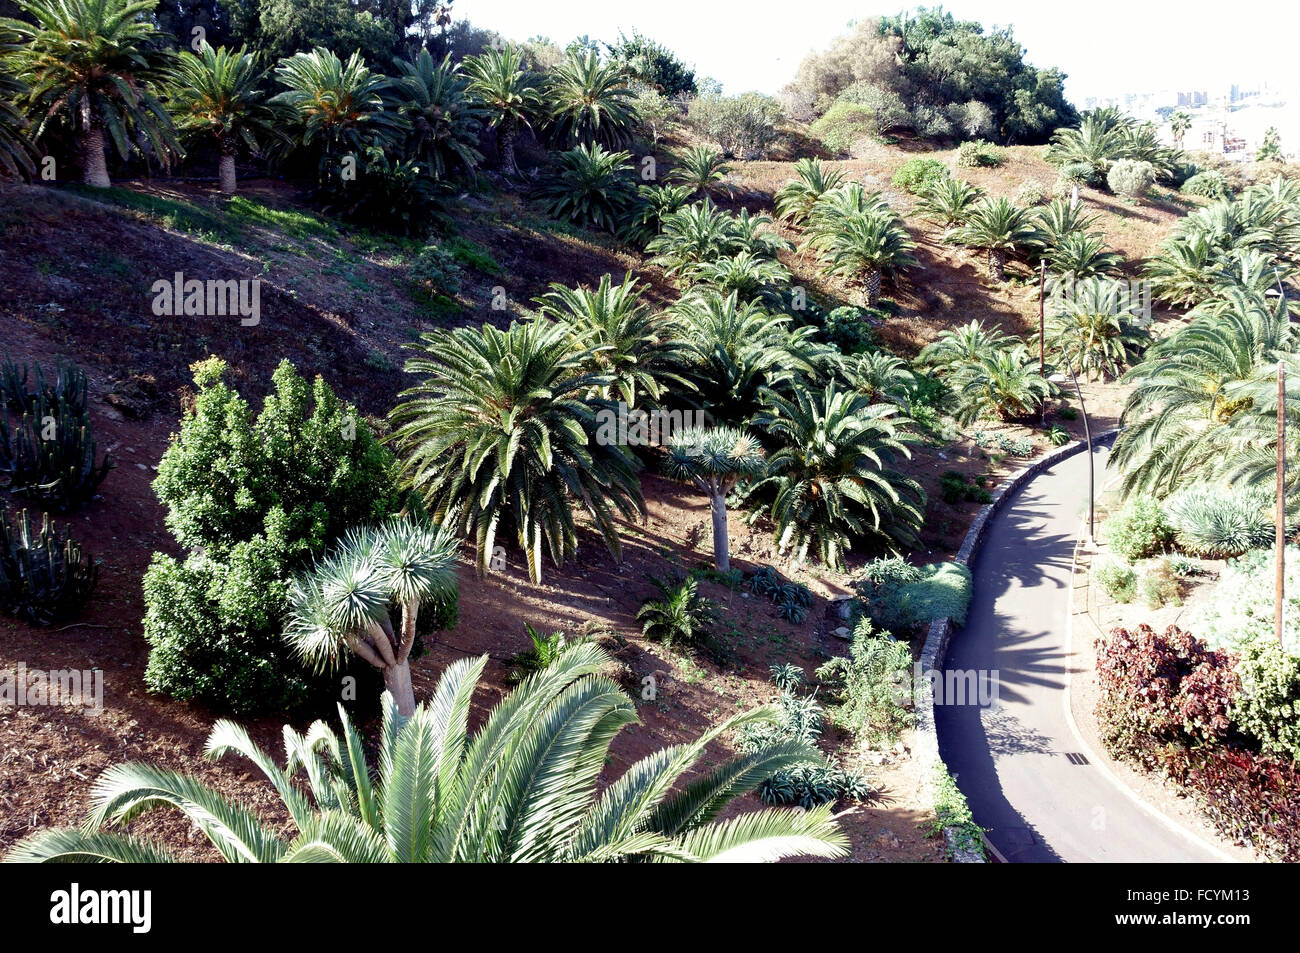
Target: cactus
(44,577)
(50,455)
(69,388)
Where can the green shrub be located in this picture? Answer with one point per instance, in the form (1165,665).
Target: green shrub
(1131,177)
(1239,610)
(44,576)
(952,811)
(1117,580)
(1208,184)
(1058,436)
(954,488)
(1219,522)
(979,154)
(744,125)
(901,596)
(253,499)
(392,195)
(1139,530)
(436,270)
(872,687)
(844,125)
(917,175)
(849,329)
(1268,706)
(1160,586)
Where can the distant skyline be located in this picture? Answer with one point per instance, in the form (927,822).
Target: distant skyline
(1106,47)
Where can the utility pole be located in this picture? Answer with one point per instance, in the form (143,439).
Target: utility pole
(1278,603)
(1042,348)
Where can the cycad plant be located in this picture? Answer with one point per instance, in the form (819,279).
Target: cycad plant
(1002,385)
(862,247)
(752,277)
(443,119)
(795,199)
(878,376)
(700,169)
(680,615)
(695,234)
(590,186)
(1092,331)
(714,460)
(833,481)
(15,150)
(1183,274)
(524,788)
(217,91)
(99,65)
(344,604)
(501,432)
(957,347)
(588,102)
(509,93)
(998,228)
(635,348)
(948,201)
(1082,255)
(1060,218)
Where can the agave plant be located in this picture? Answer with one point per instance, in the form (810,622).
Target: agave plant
(590,186)
(509,93)
(949,201)
(523,788)
(589,102)
(833,480)
(795,199)
(680,616)
(345,602)
(442,117)
(999,228)
(715,460)
(502,429)
(700,169)
(99,65)
(217,92)
(636,349)
(1092,332)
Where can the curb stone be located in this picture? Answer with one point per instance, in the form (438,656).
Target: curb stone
(935,649)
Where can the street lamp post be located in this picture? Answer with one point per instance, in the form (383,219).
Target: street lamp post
(1087,436)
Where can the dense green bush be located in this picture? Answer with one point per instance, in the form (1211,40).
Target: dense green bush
(1219,521)
(1139,530)
(1160,586)
(1239,611)
(872,687)
(1117,580)
(901,596)
(1131,177)
(919,174)
(844,125)
(436,270)
(1267,708)
(744,126)
(1208,184)
(850,329)
(253,499)
(979,154)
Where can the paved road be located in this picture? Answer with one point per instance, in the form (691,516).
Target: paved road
(1012,758)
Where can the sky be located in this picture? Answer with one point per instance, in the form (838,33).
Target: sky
(1105,46)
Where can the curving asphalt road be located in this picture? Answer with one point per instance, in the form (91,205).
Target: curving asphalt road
(1016,758)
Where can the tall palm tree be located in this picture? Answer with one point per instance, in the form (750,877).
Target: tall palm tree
(340,107)
(502,429)
(99,64)
(795,199)
(715,460)
(588,102)
(218,92)
(444,120)
(833,478)
(1179,124)
(509,93)
(635,348)
(862,247)
(1092,332)
(524,788)
(999,228)
(345,602)
(15,150)
(700,169)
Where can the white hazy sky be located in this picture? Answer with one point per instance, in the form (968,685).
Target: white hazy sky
(1105,46)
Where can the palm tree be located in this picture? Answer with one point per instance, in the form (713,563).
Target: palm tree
(949,201)
(795,199)
(339,106)
(715,460)
(862,247)
(700,169)
(1184,273)
(97,64)
(1092,332)
(833,478)
(878,376)
(344,602)
(959,346)
(999,228)
(589,102)
(444,121)
(633,347)
(1097,141)
(503,428)
(1082,255)
(508,92)
(1003,385)
(15,150)
(590,186)
(1179,124)
(218,92)
(524,788)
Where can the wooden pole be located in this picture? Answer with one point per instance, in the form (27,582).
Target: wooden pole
(1042,348)
(1278,602)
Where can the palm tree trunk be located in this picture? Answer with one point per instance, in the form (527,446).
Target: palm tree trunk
(226,167)
(873,287)
(506,139)
(721,542)
(997,265)
(397,679)
(94,168)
